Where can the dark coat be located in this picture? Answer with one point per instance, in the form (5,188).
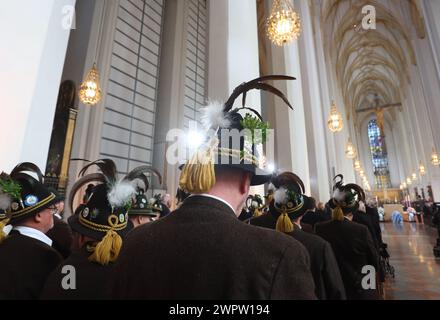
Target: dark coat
(374,217)
(25,263)
(202,251)
(91,279)
(314,217)
(62,237)
(354,249)
(323,263)
(366,220)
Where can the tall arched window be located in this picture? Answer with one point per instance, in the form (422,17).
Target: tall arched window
(379,156)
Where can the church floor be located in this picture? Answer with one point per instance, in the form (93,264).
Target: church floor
(417,271)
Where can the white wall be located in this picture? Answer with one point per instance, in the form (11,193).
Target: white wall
(32,54)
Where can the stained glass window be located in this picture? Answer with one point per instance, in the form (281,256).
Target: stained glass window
(379,156)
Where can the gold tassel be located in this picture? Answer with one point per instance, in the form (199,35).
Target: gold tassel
(107,250)
(257,212)
(198,174)
(284,224)
(338,214)
(3,235)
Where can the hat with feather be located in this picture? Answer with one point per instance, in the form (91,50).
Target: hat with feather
(345,198)
(255,205)
(21,195)
(289,201)
(233,139)
(141,206)
(104,215)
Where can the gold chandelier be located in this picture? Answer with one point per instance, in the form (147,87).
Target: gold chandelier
(434,158)
(284,23)
(357,166)
(422,169)
(335,122)
(90,89)
(350,150)
(414,176)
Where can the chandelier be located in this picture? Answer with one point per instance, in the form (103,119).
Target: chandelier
(335,122)
(408,181)
(422,169)
(414,176)
(284,23)
(357,165)
(90,89)
(434,158)
(350,150)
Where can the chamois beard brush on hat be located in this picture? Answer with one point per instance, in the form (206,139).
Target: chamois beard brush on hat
(198,174)
(105,216)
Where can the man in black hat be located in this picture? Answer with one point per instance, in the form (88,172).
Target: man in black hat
(351,242)
(26,255)
(202,251)
(61,234)
(99,226)
(285,213)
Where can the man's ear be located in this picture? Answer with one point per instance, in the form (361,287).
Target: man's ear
(38,217)
(245,183)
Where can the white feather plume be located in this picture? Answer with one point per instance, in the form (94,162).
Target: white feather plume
(121,193)
(212,116)
(152,201)
(5,201)
(339,195)
(280,196)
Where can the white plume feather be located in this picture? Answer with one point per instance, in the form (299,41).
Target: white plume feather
(5,201)
(121,193)
(339,195)
(212,116)
(280,196)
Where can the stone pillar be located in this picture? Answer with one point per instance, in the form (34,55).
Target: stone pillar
(34,40)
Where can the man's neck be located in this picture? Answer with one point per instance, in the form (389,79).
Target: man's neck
(223,199)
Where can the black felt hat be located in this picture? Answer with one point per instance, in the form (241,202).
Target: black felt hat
(233,140)
(21,195)
(104,217)
(141,205)
(345,198)
(289,201)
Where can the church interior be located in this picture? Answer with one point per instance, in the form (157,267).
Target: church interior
(98,79)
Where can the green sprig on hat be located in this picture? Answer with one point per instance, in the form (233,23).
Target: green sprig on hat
(10,187)
(253,123)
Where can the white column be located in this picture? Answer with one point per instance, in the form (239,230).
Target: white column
(32,51)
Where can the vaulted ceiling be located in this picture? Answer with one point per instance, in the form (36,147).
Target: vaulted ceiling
(369,62)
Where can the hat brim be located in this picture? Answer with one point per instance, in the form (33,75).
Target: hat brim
(97,235)
(33,212)
(295,215)
(142,212)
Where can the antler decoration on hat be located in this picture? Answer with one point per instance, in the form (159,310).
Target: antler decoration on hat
(198,175)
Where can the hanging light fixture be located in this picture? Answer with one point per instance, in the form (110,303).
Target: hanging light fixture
(284,23)
(434,158)
(404,185)
(422,169)
(408,181)
(357,165)
(335,122)
(350,150)
(362,173)
(414,176)
(90,89)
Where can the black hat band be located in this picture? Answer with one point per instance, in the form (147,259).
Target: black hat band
(284,209)
(24,211)
(103,228)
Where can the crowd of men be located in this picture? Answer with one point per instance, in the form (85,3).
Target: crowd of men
(207,248)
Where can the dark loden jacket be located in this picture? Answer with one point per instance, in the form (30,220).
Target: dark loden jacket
(202,251)
(354,249)
(25,263)
(324,268)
